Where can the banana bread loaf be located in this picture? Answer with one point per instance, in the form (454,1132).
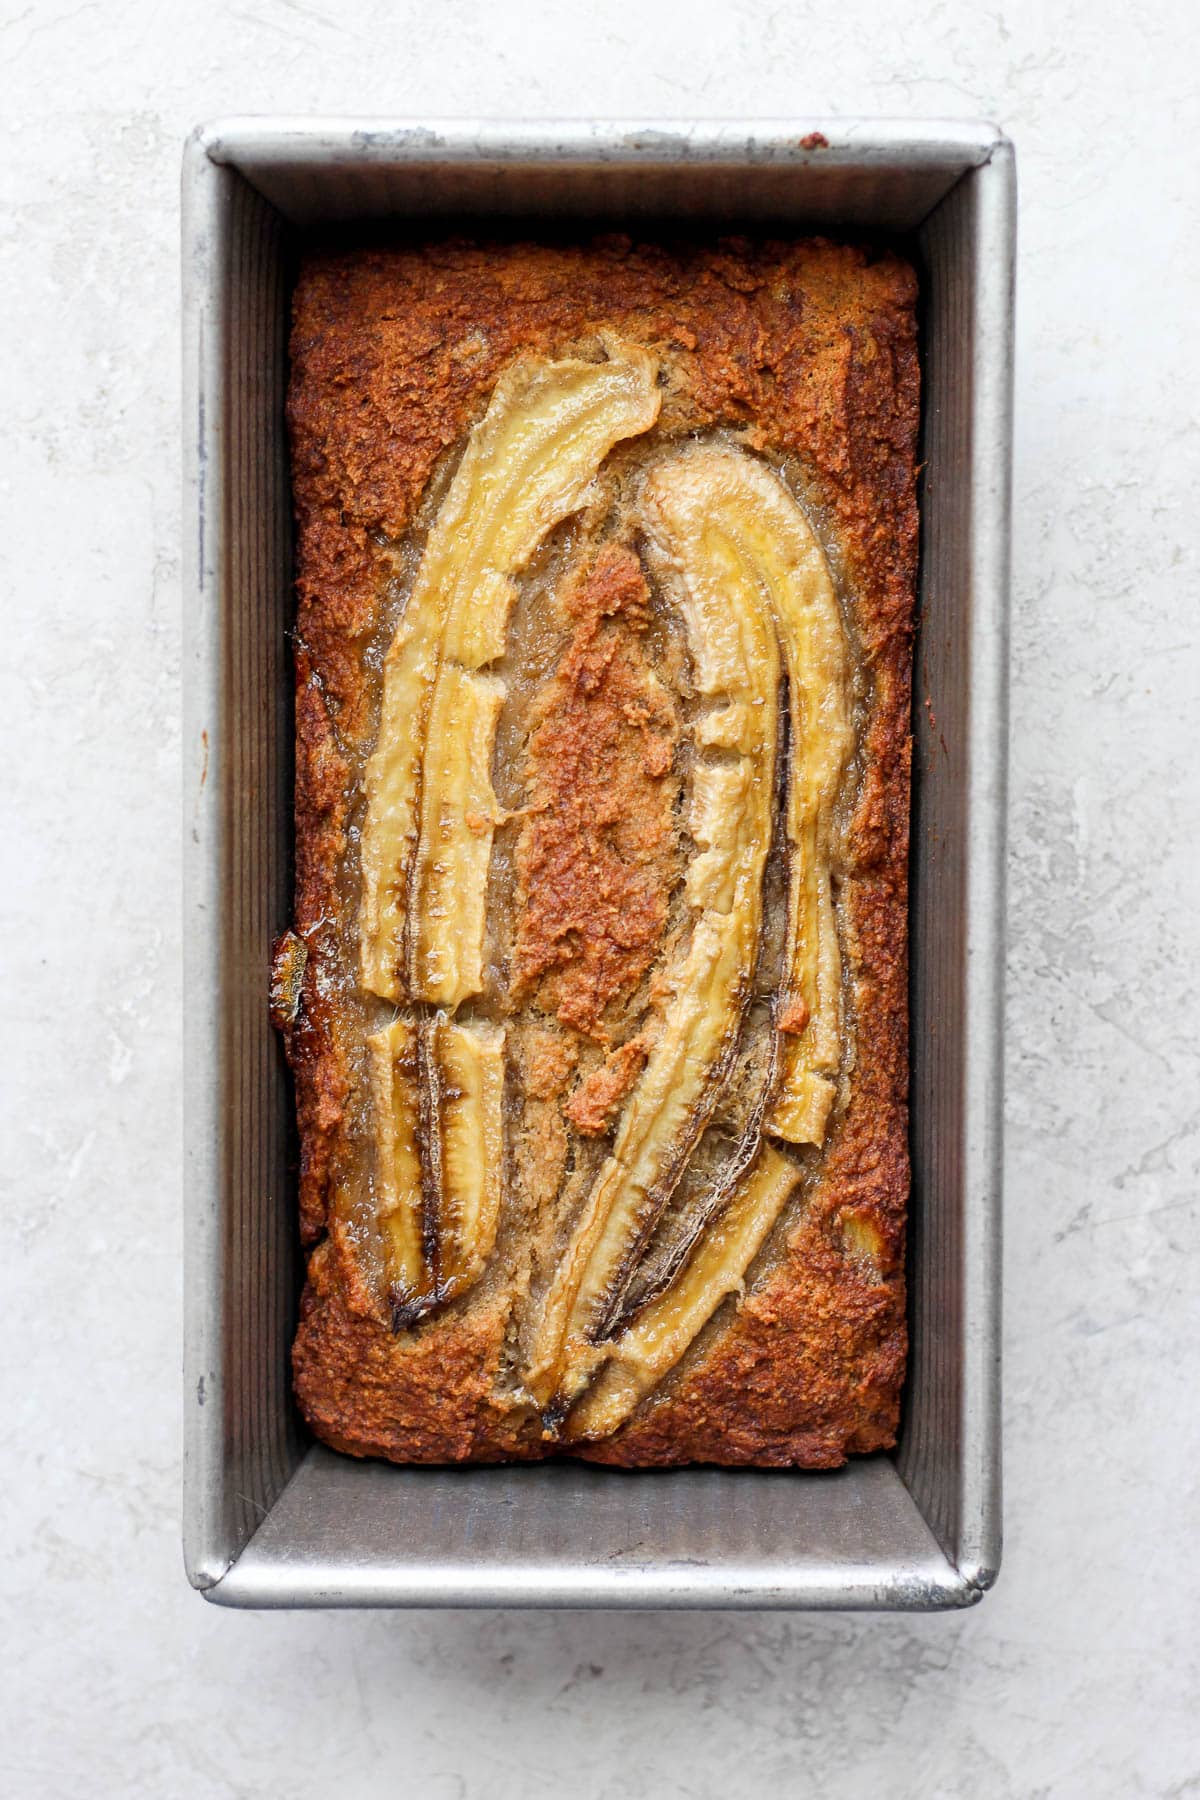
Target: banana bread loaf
(595,996)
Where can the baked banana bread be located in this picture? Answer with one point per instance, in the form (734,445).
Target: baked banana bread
(596,994)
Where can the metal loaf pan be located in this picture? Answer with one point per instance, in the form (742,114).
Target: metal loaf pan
(273,1519)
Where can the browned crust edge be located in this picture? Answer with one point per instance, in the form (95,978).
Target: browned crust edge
(810,348)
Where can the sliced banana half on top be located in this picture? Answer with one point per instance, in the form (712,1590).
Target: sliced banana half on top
(427,834)
(436,1085)
(753,587)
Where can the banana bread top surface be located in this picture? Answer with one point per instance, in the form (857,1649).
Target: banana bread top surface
(596,994)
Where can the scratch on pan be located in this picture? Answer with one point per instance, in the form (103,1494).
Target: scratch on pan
(933,725)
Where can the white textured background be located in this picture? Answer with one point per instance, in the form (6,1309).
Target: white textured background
(1079,1675)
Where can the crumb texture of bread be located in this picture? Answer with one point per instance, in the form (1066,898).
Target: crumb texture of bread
(569,1136)
(596,854)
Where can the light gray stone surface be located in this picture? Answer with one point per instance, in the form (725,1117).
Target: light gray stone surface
(1079,1674)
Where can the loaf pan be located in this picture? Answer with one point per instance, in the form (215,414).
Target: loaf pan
(272,1518)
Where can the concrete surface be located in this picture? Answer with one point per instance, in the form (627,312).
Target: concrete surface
(1079,1675)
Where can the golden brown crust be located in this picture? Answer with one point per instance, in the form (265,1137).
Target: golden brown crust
(596,1099)
(809,349)
(441,1409)
(596,855)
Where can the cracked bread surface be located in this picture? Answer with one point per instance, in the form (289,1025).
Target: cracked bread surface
(802,358)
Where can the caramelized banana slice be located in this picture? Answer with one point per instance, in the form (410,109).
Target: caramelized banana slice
(398,1194)
(734,655)
(438,1094)
(721,797)
(657,1338)
(469,1076)
(449,900)
(740,513)
(527,465)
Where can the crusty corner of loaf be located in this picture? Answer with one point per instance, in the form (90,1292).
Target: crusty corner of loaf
(436,1395)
